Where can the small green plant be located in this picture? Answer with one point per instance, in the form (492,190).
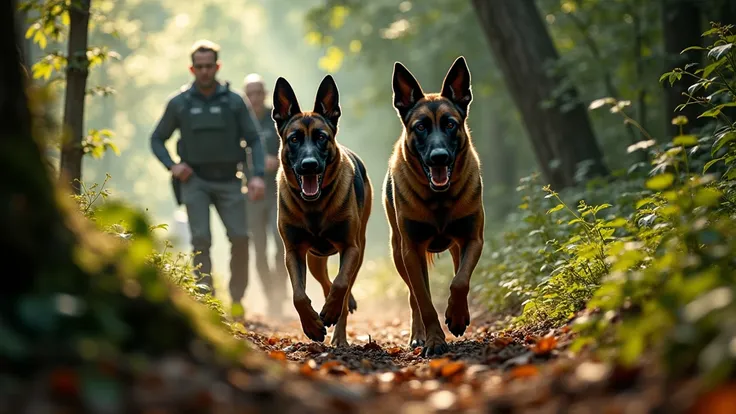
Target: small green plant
(652,260)
(175,265)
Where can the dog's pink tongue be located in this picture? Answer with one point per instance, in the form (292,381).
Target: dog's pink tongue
(439,175)
(310,186)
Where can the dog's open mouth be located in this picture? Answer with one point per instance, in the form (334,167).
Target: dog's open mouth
(439,177)
(311,186)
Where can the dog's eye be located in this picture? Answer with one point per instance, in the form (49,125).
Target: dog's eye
(450,125)
(419,127)
(322,136)
(294,139)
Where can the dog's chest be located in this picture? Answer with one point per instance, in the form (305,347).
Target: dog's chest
(322,233)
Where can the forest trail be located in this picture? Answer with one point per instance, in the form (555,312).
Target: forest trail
(488,370)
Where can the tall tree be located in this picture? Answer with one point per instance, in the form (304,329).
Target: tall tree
(561,138)
(76,89)
(681,29)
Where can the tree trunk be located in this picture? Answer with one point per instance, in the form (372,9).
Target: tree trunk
(522,47)
(76,90)
(681,29)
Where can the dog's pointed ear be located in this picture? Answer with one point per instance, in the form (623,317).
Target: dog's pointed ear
(327,102)
(407,91)
(285,104)
(456,85)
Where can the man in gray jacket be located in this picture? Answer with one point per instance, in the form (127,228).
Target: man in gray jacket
(212,120)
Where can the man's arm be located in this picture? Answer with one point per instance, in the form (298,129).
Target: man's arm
(252,134)
(165,128)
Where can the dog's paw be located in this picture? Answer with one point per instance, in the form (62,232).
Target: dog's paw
(339,340)
(457,316)
(416,343)
(312,326)
(352,304)
(434,346)
(332,309)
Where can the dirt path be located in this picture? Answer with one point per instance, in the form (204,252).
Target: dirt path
(485,371)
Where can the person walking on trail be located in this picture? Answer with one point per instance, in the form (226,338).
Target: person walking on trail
(212,120)
(262,213)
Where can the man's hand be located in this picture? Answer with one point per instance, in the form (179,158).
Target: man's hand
(256,188)
(181,171)
(272,163)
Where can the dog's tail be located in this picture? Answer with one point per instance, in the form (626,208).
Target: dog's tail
(430,258)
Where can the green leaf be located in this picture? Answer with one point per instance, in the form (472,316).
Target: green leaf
(685,140)
(722,140)
(711,113)
(556,208)
(710,164)
(708,197)
(644,201)
(660,182)
(617,222)
(713,66)
(692,48)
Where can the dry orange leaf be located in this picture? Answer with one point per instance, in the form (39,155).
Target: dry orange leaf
(545,345)
(277,355)
(502,341)
(272,341)
(525,371)
(438,363)
(452,368)
(308,368)
(394,351)
(721,400)
(417,351)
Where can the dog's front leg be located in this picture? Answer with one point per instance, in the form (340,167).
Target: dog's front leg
(295,259)
(457,316)
(349,263)
(415,261)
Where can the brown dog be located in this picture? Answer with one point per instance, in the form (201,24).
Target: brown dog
(432,194)
(325,200)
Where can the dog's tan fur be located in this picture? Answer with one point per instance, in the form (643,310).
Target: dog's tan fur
(425,222)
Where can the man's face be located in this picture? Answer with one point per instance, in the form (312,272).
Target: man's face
(204,68)
(256,94)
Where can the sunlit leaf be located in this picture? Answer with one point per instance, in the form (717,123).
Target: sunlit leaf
(660,182)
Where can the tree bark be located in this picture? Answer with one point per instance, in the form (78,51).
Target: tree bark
(76,90)
(681,29)
(522,47)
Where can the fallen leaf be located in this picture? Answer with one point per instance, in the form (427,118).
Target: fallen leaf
(502,341)
(545,345)
(272,341)
(417,351)
(394,351)
(524,371)
(452,368)
(277,355)
(436,364)
(308,368)
(721,400)
(530,339)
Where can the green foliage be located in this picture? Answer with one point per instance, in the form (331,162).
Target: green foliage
(176,266)
(651,268)
(49,26)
